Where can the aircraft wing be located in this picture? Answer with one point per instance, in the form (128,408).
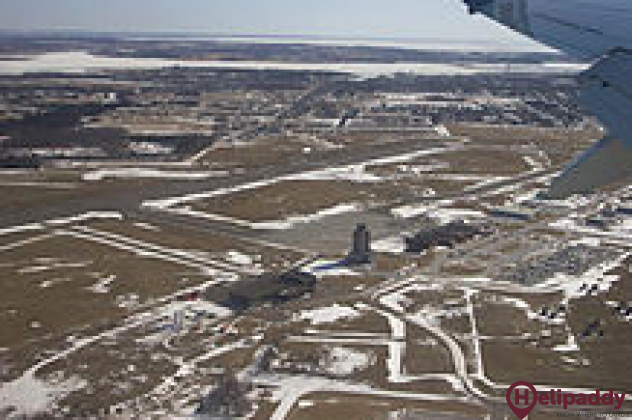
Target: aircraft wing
(595,30)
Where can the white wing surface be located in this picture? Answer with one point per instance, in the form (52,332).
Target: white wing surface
(596,30)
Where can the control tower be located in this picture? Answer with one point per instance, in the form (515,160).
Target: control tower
(361,250)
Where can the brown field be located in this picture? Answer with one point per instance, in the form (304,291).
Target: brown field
(479,161)
(376,138)
(506,361)
(214,244)
(560,144)
(24,197)
(290,198)
(265,410)
(111,380)
(435,298)
(423,357)
(289,150)
(336,406)
(60,299)
(266,152)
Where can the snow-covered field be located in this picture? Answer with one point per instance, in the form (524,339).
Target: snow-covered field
(82,62)
(329,315)
(344,361)
(29,395)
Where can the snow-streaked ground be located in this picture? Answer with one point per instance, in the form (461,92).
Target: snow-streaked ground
(389,245)
(416,210)
(239,258)
(354,173)
(328,268)
(82,62)
(103,285)
(131,173)
(329,315)
(19,229)
(291,221)
(85,217)
(29,395)
(343,361)
(79,218)
(570,346)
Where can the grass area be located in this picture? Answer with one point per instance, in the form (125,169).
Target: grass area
(116,370)
(35,285)
(421,299)
(215,245)
(424,354)
(478,161)
(327,405)
(596,365)
(292,198)
(40,309)
(265,410)
(507,363)
(487,162)
(561,145)
(266,152)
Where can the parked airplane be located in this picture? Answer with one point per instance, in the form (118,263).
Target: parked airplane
(599,31)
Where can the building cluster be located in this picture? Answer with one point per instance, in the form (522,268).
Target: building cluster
(622,309)
(574,260)
(610,216)
(513,213)
(191,311)
(552,314)
(447,236)
(361,248)
(268,288)
(168,113)
(594,329)
(504,99)
(306,363)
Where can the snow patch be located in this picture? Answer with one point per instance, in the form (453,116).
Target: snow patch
(328,315)
(130,173)
(289,222)
(389,245)
(19,229)
(147,226)
(86,217)
(570,346)
(238,258)
(28,395)
(343,361)
(194,306)
(326,268)
(103,286)
(445,216)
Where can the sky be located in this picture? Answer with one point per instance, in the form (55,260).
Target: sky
(417,19)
